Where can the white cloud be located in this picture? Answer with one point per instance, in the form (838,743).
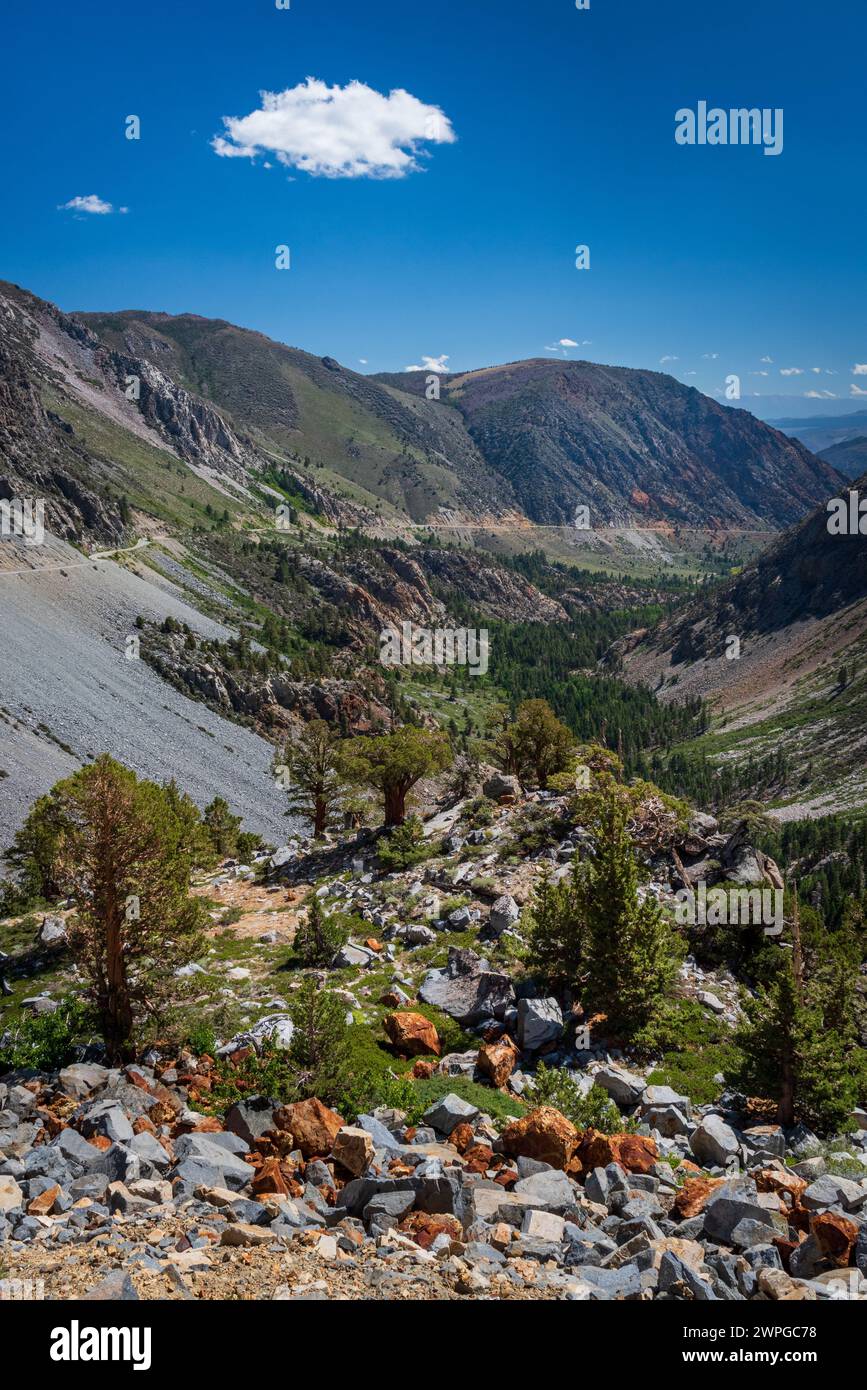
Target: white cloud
(710,356)
(766,359)
(337,132)
(89,203)
(817,370)
(822,395)
(363,361)
(856,390)
(860,369)
(669,358)
(759,373)
(791,371)
(431,364)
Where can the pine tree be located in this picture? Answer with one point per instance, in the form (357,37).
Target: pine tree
(123,860)
(318,1046)
(318,937)
(799,1041)
(394,763)
(221,827)
(595,933)
(311,768)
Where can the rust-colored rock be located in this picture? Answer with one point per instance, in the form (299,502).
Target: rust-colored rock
(422,1069)
(41,1205)
(391,999)
(497,1060)
(781,1181)
(423,1228)
(835,1236)
(312,1125)
(479,1158)
(412,1034)
(634,1152)
(694,1195)
(462,1137)
(270,1179)
(142,1125)
(545,1134)
(373,945)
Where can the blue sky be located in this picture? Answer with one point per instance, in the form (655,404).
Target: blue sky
(564,123)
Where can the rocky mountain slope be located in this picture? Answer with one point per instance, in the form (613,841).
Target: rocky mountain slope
(636,447)
(795,679)
(146,1181)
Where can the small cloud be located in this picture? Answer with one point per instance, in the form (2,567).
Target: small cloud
(363,361)
(822,395)
(759,373)
(710,356)
(791,371)
(337,132)
(856,390)
(817,370)
(89,203)
(766,359)
(860,369)
(431,364)
(668,358)
(691,373)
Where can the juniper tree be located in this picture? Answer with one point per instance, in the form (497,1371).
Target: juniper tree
(123,858)
(393,763)
(221,827)
(318,1047)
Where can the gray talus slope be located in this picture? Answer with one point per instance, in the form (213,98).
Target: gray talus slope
(65,680)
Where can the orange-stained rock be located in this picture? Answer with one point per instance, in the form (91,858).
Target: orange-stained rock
(497,1060)
(694,1195)
(634,1152)
(269,1179)
(422,1069)
(312,1125)
(411,1034)
(142,1125)
(780,1181)
(423,1228)
(100,1141)
(391,999)
(545,1134)
(835,1236)
(209,1124)
(373,945)
(41,1205)
(478,1159)
(462,1137)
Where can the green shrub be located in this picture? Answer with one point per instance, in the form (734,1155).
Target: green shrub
(557,1087)
(46,1041)
(404,847)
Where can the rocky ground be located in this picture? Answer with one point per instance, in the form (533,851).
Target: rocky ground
(134,1182)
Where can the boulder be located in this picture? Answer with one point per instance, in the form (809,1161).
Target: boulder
(411,1034)
(730,1204)
(466,989)
(504,914)
(545,1134)
(498,1060)
(622,1086)
(501,784)
(251,1118)
(713,1141)
(540,1021)
(635,1152)
(11,1195)
(275,1029)
(446,1114)
(353,1149)
(835,1236)
(52,932)
(312,1125)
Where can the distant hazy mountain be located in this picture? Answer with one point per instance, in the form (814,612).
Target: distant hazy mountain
(849,457)
(821,432)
